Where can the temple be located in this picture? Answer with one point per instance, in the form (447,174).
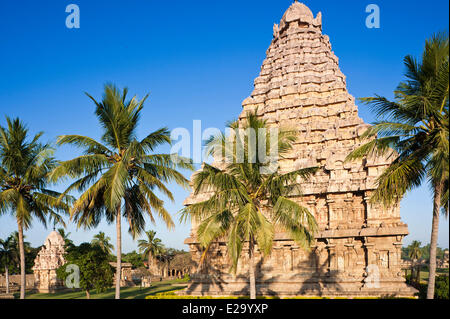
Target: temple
(357,251)
(48,260)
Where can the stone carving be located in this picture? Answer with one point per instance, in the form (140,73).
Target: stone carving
(49,258)
(300,85)
(276,31)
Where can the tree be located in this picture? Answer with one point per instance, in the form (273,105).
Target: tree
(65,236)
(24,168)
(442,287)
(30,254)
(104,242)
(136,260)
(8,254)
(414,254)
(414,130)
(15,239)
(250,198)
(119,176)
(150,247)
(94,268)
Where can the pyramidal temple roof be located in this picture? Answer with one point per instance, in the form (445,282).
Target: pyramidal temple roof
(301,13)
(54,239)
(301,86)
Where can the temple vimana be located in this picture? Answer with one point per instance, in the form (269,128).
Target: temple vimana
(300,85)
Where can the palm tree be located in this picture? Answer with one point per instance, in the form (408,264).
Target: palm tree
(67,242)
(119,176)
(415,126)
(104,242)
(23,182)
(151,247)
(415,253)
(8,253)
(15,240)
(249,199)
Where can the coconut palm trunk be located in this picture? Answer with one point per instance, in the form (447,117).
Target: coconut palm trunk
(251,271)
(7,278)
(119,252)
(434,237)
(418,274)
(23,281)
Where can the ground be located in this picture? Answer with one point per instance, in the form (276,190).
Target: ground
(141,293)
(125,293)
(424,274)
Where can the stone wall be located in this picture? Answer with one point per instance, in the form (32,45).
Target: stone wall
(14,281)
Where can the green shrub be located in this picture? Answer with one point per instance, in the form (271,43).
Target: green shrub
(172,295)
(441,288)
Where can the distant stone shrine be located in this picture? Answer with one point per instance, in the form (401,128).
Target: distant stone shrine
(126,276)
(49,258)
(357,251)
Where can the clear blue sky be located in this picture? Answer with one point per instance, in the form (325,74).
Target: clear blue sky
(198,60)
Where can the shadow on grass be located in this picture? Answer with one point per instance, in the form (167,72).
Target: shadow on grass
(125,292)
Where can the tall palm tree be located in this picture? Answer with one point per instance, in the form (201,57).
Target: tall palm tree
(118,176)
(8,254)
(150,247)
(104,242)
(415,126)
(23,183)
(248,198)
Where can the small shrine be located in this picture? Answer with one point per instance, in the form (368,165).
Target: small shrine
(48,260)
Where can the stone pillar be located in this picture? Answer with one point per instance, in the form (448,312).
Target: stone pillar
(332,266)
(331,217)
(369,218)
(295,257)
(350,263)
(396,259)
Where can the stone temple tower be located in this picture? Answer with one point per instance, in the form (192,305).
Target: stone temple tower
(49,258)
(357,251)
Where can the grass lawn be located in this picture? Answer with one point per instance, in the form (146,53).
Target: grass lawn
(425,274)
(125,293)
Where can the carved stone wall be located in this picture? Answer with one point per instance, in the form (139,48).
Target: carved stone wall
(301,86)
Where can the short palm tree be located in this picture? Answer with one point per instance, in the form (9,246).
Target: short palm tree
(150,247)
(104,242)
(67,242)
(23,183)
(249,200)
(119,176)
(415,125)
(415,253)
(15,239)
(8,254)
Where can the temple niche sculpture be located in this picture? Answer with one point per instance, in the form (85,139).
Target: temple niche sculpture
(357,251)
(49,258)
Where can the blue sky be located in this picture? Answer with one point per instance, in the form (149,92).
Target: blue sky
(198,60)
